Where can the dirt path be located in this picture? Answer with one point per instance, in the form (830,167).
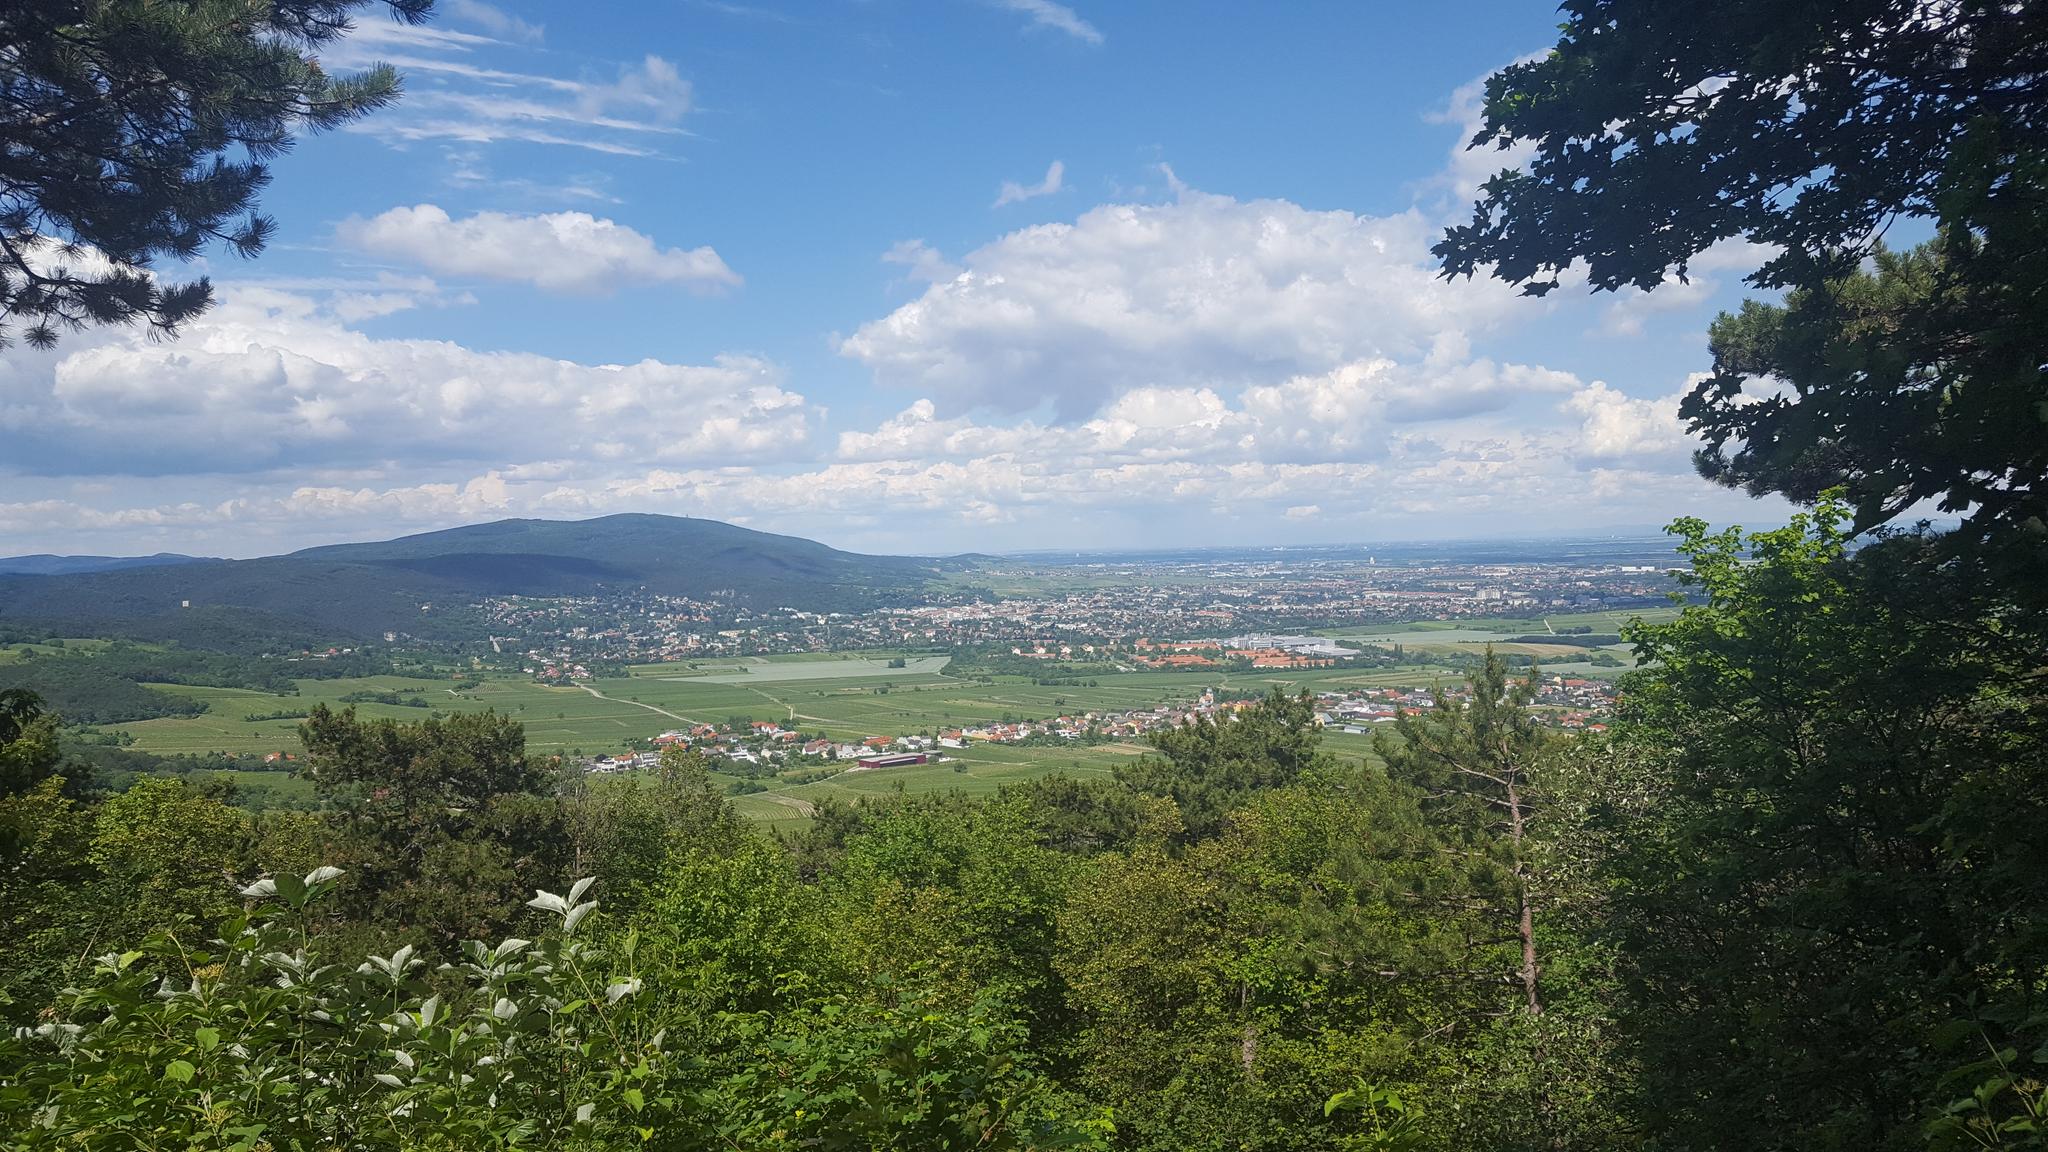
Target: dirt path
(637,704)
(797,804)
(777,701)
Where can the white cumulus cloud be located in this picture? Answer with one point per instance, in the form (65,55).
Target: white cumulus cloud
(557,251)
(1207,368)
(920,260)
(1615,427)
(1207,290)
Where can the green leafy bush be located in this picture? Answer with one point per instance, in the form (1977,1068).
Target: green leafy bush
(255,1041)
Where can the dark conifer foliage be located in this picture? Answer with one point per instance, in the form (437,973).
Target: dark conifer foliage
(1659,130)
(131,132)
(1210,768)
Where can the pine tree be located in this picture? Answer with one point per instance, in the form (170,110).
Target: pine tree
(1656,131)
(1473,763)
(134,131)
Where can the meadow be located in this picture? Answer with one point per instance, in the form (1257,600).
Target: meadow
(977,770)
(557,719)
(1507,635)
(609,713)
(17,652)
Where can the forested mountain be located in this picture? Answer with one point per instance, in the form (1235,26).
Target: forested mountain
(678,555)
(362,590)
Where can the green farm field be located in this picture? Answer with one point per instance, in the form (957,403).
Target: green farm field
(976,770)
(1501,627)
(606,714)
(805,666)
(721,665)
(557,719)
(1474,636)
(911,702)
(1506,626)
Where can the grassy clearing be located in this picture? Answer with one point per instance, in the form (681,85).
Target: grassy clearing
(16,653)
(557,719)
(272,789)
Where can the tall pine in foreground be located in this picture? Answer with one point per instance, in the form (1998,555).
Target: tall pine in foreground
(1211,766)
(1475,764)
(135,132)
(1658,131)
(443,823)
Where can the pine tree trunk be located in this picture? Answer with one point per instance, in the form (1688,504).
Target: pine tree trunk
(1527,923)
(1529,955)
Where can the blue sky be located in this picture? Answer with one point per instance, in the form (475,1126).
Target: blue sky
(900,275)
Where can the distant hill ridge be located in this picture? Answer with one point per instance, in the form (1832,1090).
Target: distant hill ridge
(362,590)
(44,564)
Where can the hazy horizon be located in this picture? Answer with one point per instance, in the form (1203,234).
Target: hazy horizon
(1617,532)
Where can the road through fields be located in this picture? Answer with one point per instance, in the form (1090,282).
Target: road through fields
(637,704)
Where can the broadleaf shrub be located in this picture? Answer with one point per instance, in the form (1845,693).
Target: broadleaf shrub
(253,1041)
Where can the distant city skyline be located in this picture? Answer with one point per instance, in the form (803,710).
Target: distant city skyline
(910,276)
